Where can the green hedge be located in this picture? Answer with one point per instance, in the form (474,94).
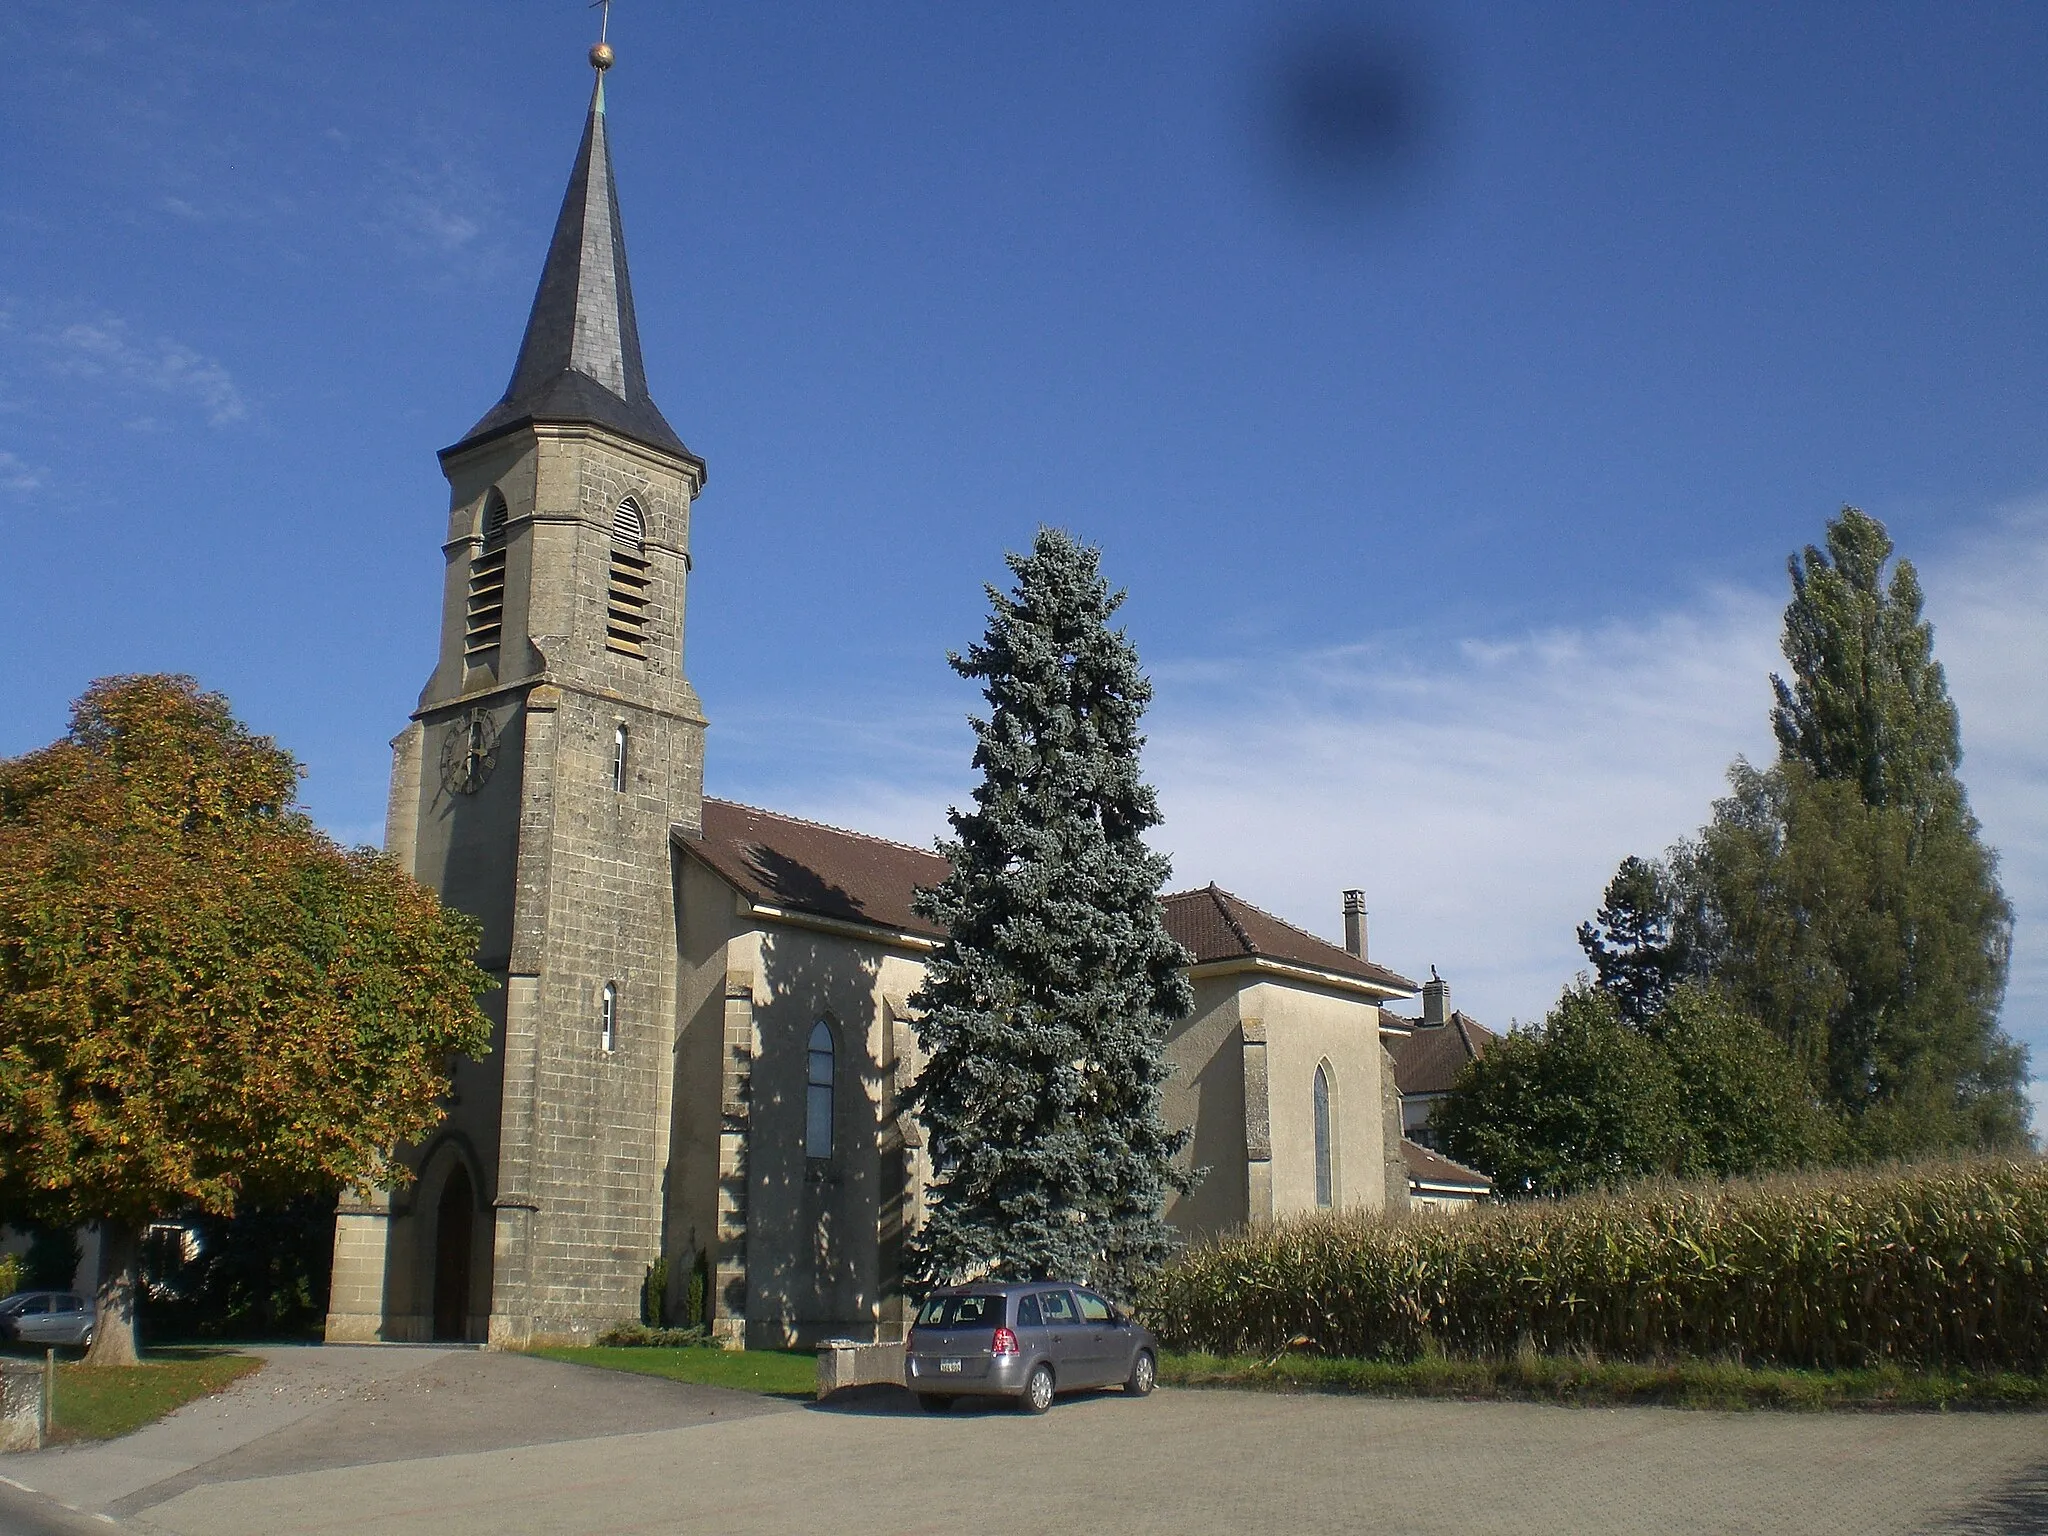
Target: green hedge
(1938,1267)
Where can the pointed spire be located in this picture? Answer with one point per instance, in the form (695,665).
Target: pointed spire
(580,360)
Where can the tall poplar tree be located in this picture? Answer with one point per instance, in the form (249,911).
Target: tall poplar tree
(1868,703)
(1844,896)
(1046,1010)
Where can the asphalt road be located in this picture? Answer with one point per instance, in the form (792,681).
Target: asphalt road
(401,1441)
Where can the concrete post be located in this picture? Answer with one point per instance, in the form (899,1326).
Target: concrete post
(23,1415)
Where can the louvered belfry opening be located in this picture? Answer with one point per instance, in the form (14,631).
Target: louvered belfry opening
(485,622)
(625,625)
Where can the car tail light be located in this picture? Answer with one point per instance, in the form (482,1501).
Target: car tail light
(1004,1343)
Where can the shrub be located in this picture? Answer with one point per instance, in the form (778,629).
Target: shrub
(10,1274)
(1938,1266)
(260,1274)
(654,1294)
(695,1307)
(639,1335)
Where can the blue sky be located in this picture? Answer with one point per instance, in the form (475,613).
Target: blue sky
(1451,468)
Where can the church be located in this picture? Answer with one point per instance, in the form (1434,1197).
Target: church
(702,1032)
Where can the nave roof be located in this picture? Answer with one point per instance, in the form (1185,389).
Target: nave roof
(803,866)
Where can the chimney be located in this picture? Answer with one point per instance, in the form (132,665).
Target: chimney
(1354,923)
(1436,999)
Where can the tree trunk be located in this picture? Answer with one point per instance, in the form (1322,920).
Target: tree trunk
(113,1334)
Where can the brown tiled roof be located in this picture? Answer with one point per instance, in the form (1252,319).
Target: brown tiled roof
(1429,1060)
(1434,1168)
(1216,925)
(782,861)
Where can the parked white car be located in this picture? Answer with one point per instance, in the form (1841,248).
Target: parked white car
(46,1317)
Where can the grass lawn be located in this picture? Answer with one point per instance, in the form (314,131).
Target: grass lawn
(1591,1383)
(771,1372)
(101,1402)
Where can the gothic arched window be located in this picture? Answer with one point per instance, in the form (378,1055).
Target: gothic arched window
(1324,1182)
(484,622)
(818,1092)
(608,1017)
(619,758)
(625,619)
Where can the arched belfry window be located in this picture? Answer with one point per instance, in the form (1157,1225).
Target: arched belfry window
(608,1018)
(484,624)
(619,741)
(629,524)
(818,1092)
(625,620)
(1325,1184)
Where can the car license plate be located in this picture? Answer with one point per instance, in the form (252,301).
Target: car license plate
(949,1365)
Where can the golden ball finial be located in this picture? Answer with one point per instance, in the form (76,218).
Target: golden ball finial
(601,57)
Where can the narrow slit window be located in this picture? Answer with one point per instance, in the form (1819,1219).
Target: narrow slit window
(1324,1181)
(608,1018)
(818,1093)
(625,619)
(619,759)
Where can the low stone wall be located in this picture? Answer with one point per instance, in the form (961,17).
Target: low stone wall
(848,1363)
(21,1405)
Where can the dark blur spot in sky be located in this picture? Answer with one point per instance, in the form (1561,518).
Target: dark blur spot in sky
(1352,110)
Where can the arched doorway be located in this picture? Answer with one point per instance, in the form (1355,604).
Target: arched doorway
(454,1222)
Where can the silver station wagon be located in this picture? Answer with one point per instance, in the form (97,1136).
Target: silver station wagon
(46,1317)
(1026,1341)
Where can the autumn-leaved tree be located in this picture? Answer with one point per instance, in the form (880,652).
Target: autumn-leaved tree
(204,1001)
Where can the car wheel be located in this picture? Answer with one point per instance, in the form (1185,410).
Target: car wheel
(1037,1390)
(934,1402)
(85,1339)
(1144,1374)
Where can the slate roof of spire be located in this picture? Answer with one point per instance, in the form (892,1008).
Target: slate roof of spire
(580,361)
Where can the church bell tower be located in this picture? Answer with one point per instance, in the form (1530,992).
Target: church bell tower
(555,747)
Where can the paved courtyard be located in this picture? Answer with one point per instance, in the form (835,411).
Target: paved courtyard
(451,1442)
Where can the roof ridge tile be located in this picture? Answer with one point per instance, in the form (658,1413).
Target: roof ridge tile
(1217,895)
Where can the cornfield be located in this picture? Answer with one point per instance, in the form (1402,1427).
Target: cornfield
(1939,1266)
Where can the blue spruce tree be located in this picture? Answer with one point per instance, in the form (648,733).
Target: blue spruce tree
(1045,1011)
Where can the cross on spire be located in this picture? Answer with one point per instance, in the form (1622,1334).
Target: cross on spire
(604,20)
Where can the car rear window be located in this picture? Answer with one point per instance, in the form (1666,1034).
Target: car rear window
(961,1312)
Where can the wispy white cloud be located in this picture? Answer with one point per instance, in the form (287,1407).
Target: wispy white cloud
(107,349)
(433,220)
(1483,794)
(18,476)
(1481,791)
(440,205)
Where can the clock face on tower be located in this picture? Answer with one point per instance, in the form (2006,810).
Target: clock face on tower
(469,752)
